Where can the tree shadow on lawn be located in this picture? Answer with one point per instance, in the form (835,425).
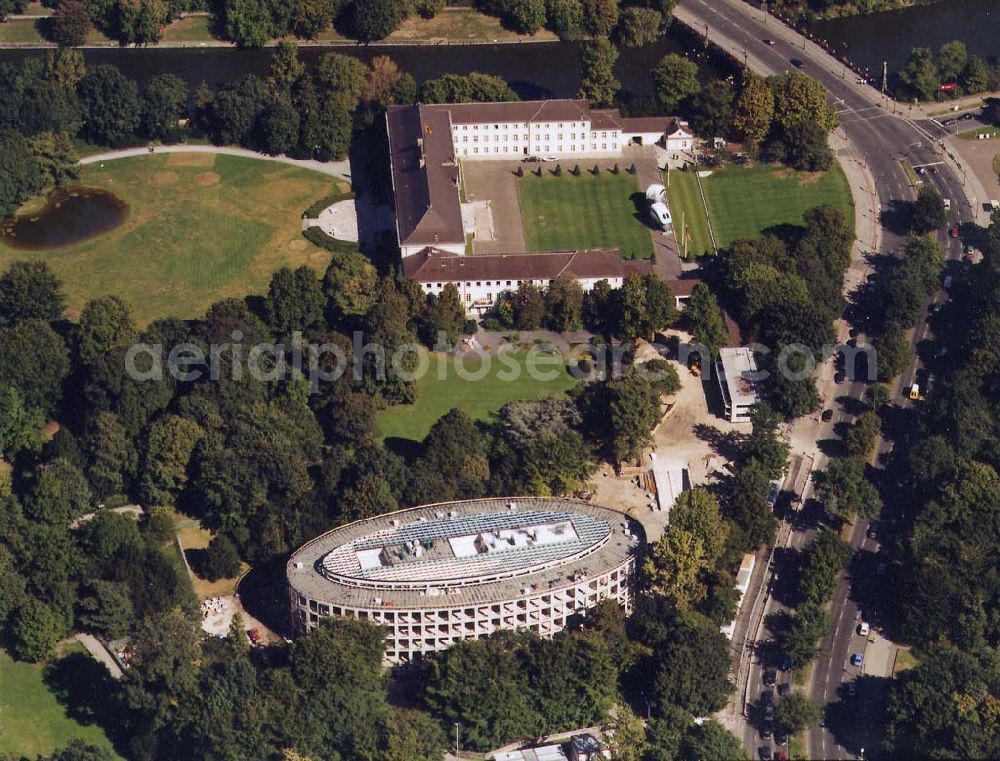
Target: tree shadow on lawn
(641,213)
(86,690)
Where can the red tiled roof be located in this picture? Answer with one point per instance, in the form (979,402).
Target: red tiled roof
(434,266)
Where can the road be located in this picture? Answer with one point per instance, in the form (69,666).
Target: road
(886,139)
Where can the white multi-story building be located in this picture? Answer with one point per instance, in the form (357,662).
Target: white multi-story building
(736,370)
(482,280)
(435,575)
(426,142)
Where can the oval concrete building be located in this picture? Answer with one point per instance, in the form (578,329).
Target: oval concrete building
(437,574)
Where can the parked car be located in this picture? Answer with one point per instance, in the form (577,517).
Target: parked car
(857,659)
(786,663)
(953,232)
(872,531)
(765,753)
(838,377)
(784,688)
(767,697)
(769,677)
(772,493)
(781,737)
(766,730)
(863,629)
(852,689)
(549,158)
(827,416)
(796,63)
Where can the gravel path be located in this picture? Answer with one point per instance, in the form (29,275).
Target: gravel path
(339,169)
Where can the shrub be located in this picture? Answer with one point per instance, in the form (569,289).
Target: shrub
(317,236)
(470,327)
(429,8)
(221,559)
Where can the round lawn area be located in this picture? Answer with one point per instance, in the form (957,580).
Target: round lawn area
(201,227)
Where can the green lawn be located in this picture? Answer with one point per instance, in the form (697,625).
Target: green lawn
(745,201)
(201,227)
(973,134)
(441,389)
(567,212)
(688,213)
(32,721)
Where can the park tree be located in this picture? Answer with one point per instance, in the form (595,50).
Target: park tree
(286,69)
(35,630)
(313,16)
(30,291)
(278,127)
(248,23)
(565,17)
(470,88)
(712,108)
(598,85)
(797,97)
(844,490)
(805,147)
(20,426)
(56,157)
(222,559)
(952,58)
(928,210)
(111,461)
(920,75)
(387,84)
(674,567)
(528,305)
(105,323)
(675,79)
(35,361)
(80,750)
(168,448)
(105,608)
(748,508)
(633,408)
(796,712)
(697,511)
(563,302)
(350,285)
(65,67)
(639,26)
(139,22)
(21,172)
(975,76)
(690,668)
(525,16)
(70,24)
(754,110)
(711,740)
(704,316)
(61,493)
(413,735)
(627,740)
(295,301)
(445,314)
(110,105)
(369,497)
(372,20)
(165,103)
(341,78)
(892,352)
(859,441)
(800,639)
(600,17)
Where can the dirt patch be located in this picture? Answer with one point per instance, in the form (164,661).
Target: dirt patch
(810,178)
(343,187)
(191,159)
(164,178)
(298,245)
(207,179)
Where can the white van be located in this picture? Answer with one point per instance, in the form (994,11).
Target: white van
(660,214)
(947,204)
(656,194)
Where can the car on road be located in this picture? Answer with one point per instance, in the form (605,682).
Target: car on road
(784,688)
(772,493)
(796,63)
(780,755)
(786,663)
(953,231)
(769,712)
(764,751)
(767,697)
(864,628)
(857,659)
(769,677)
(766,730)
(872,532)
(827,416)
(781,737)
(767,41)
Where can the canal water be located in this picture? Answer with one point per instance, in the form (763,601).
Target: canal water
(871,39)
(534,70)
(70,216)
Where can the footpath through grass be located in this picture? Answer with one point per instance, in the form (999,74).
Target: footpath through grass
(566,212)
(482,391)
(32,721)
(200,227)
(746,201)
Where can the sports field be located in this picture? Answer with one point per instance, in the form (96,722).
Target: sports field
(442,389)
(201,227)
(745,201)
(32,720)
(568,212)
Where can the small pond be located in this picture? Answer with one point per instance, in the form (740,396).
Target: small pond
(70,216)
